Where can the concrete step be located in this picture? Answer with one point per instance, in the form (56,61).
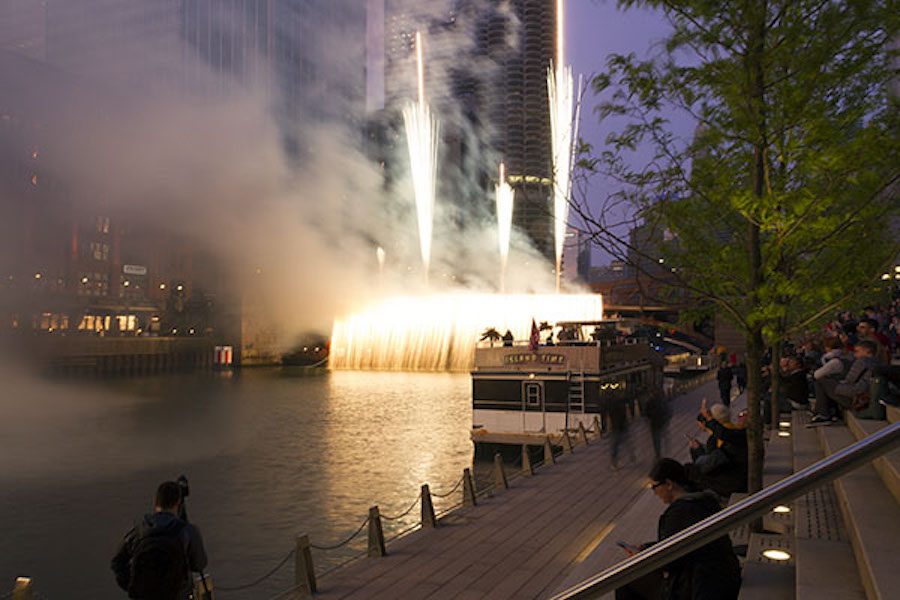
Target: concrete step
(872,518)
(764,578)
(888,466)
(821,544)
(893,414)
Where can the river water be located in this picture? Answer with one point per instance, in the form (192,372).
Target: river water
(269,454)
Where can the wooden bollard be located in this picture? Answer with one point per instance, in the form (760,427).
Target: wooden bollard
(376,534)
(527,469)
(583,433)
(566,443)
(500,482)
(597,427)
(304,573)
(549,459)
(22,589)
(468,489)
(428,520)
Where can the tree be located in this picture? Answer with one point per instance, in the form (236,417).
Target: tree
(780,208)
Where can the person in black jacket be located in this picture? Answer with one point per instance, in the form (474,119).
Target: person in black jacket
(711,572)
(162,527)
(720,465)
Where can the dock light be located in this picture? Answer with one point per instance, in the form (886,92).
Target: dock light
(162,286)
(531,376)
(886,276)
(897,269)
(84,280)
(784,434)
(781,509)
(127,283)
(37,275)
(779,555)
(180,287)
(784,423)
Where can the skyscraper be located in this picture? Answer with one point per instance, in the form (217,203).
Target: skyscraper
(488,61)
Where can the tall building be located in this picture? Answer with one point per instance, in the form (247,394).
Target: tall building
(489,60)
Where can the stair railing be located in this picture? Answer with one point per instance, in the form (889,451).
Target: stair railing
(752,507)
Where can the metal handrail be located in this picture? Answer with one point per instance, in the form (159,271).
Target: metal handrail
(719,524)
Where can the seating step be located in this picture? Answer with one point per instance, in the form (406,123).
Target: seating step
(821,543)
(763,578)
(888,465)
(872,517)
(893,413)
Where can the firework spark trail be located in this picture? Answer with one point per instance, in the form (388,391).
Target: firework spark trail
(439,332)
(422,135)
(505,198)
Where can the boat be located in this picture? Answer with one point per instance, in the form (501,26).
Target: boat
(310,351)
(524,391)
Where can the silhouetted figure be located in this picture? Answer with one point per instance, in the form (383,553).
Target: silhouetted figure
(740,376)
(508,338)
(618,424)
(724,376)
(657,412)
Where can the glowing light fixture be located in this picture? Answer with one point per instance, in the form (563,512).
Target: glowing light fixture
(784,434)
(781,509)
(779,555)
(784,423)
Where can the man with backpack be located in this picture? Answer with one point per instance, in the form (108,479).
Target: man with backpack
(156,558)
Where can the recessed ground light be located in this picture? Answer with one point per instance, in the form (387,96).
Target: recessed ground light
(784,434)
(779,555)
(781,508)
(784,423)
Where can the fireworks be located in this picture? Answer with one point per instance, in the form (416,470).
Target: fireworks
(504,221)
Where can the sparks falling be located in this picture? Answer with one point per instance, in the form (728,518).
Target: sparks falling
(563,129)
(505,198)
(422,134)
(440,332)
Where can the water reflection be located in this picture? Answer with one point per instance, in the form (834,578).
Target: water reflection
(268,457)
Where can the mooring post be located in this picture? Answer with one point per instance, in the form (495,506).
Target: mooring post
(566,443)
(304,573)
(500,482)
(22,589)
(527,469)
(583,433)
(468,489)
(597,426)
(428,520)
(376,534)
(549,459)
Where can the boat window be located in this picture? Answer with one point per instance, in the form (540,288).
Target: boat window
(533,394)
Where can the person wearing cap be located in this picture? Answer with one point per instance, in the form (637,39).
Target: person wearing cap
(711,572)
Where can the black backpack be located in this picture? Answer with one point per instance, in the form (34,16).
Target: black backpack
(158,566)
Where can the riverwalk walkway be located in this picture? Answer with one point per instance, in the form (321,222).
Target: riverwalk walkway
(526,541)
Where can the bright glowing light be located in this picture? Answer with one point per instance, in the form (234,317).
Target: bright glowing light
(422,134)
(784,434)
(505,197)
(563,132)
(784,423)
(779,555)
(439,333)
(781,509)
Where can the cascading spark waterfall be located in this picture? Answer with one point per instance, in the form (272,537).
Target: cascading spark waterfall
(439,332)
(563,129)
(422,135)
(505,198)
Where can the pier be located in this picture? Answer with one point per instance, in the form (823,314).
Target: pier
(524,541)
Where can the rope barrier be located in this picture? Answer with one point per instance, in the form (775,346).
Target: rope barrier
(455,487)
(404,513)
(345,542)
(222,588)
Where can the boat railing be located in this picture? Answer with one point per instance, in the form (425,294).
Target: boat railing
(564,343)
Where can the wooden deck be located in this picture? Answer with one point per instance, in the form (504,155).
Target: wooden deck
(525,541)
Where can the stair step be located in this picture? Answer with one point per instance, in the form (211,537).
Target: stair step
(872,517)
(823,548)
(888,465)
(764,578)
(893,413)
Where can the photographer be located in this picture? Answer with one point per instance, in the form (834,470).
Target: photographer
(155,559)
